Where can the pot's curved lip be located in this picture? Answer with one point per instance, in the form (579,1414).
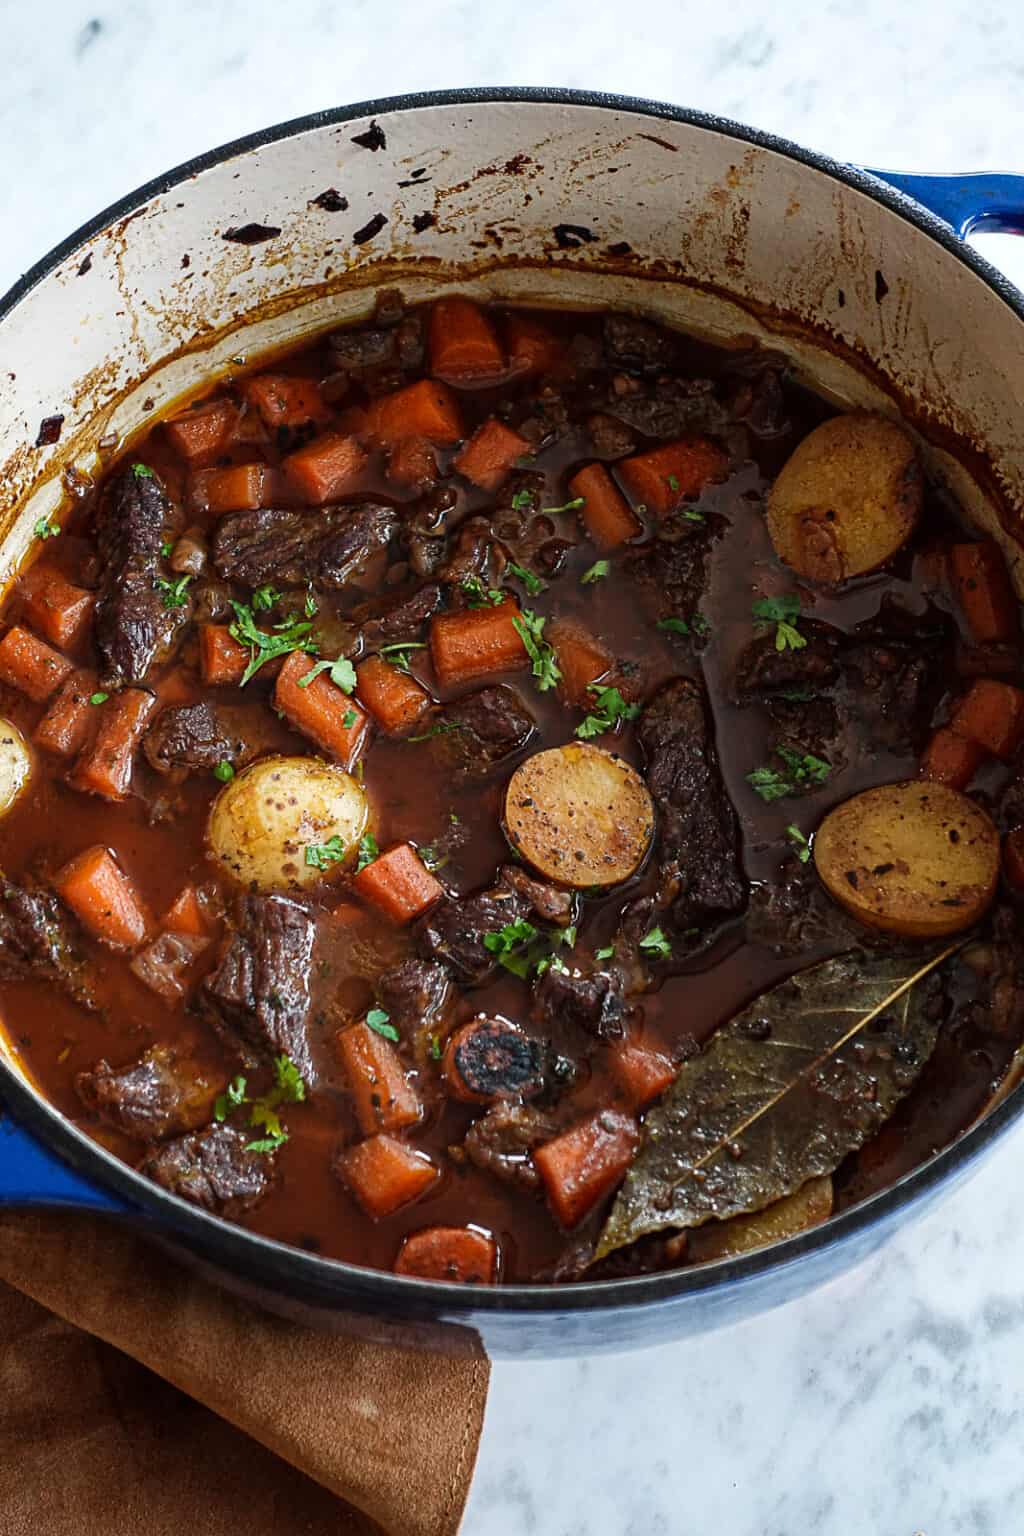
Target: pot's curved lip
(275,1260)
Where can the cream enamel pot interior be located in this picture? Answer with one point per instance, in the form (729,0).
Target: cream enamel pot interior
(519,195)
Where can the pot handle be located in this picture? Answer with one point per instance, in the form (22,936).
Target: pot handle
(990,201)
(30,1174)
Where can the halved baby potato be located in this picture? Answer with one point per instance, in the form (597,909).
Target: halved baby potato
(16,762)
(914,858)
(579,815)
(264,820)
(846,499)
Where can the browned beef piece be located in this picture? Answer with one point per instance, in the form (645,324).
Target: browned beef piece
(763,670)
(808,725)
(456,928)
(37,941)
(370,348)
(637,345)
(135,627)
(212,1169)
(592,1001)
(199,736)
(165,966)
(415,994)
(162,1094)
(470,558)
(503,1140)
(671,575)
(550,903)
(611,439)
(258,998)
(482,732)
(760,402)
(700,878)
(324,548)
(891,692)
(668,407)
(404,619)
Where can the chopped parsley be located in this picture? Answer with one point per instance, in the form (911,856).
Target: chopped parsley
(167,549)
(229,1099)
(175,593)
(672,482)
(44,529)
(570,506)
(98,698)
(479,596)
(513,945)
(522,499)
(696,625)
(368,851)
(224,771)
(264,645)
(567,936)
(142,472)
(606,953)
(377,1019)
(656,945)
(783,612)
(693,514)
(441,728)
(348,719)
(323,855)
(609,709)
(435,1048)
(265,597)
(530,629)
(288,1088)
(398,655)
(796,695)
(800,843)
(342,674)
(597,572)
(532,583)
(802,769)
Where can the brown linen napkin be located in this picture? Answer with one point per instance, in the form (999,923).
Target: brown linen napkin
(91,1441)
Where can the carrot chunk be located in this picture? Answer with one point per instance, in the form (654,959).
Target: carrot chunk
(30,665)
(476,643)
(222,660)
(490,454)
(666,476)
(412,461)
(393,698)
(105,768)
(582,660)
(327,468)
(463,343)
(284,400)
(992,714)
(56,609)
(71,718)
(398,884)
(642,1073)
(384,1174)
(1013,859)
(382,1096)
(586,1162)
(238,488)
(984,591)
(449,1253)
(320,710)
(531,346)
(951,759)
(424,409)
(103,899)
(606,514)
(200,434)
(489,1059)
(185,915)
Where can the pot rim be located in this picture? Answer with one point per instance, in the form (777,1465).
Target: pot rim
(274,1259)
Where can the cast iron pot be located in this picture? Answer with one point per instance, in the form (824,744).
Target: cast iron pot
(551,196)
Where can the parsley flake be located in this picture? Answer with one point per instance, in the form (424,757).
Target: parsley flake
(167,549)
(98,698)
(478,596)
(264,645)
(530,629)
(597,572)
(800,843)
(606,953)
(342,673)
(368,851)
(656,945)
(175,593)
(265,597)
(570,506)
(435,1048)
(672,481)
(783,612)
(142,472)
(398,655)
(44,529)
(323,855)
(224,771)
(521,500)
(532,583)
(803,769)
(610,708)
(377,1019)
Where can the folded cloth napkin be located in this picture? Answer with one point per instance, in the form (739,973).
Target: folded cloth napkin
(208,1415)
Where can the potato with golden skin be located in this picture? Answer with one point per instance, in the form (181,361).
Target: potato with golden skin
(16,764)
(846,499)
(579,815)
(914,858)
(263,821)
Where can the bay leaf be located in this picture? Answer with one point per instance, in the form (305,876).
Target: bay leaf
(803,1075)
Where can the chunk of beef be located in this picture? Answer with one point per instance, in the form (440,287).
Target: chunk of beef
(763,670)
(610,439)
(456,928)
(258,998)
(671,574)
(356,350)
(416,995)
(165,966)
(324,548)
(792,914)
(199,736)
(592,1001)
(135,627)
(404,618)
(212,1169)
(759,400)
(550,903)
(636,345)
(162,1094)
(668,407)
(700,878)
(471,556)
(503,1140)
(808,725)
(482,731)
(891,690)
(37,941)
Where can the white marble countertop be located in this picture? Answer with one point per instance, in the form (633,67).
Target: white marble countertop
(889,1403)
